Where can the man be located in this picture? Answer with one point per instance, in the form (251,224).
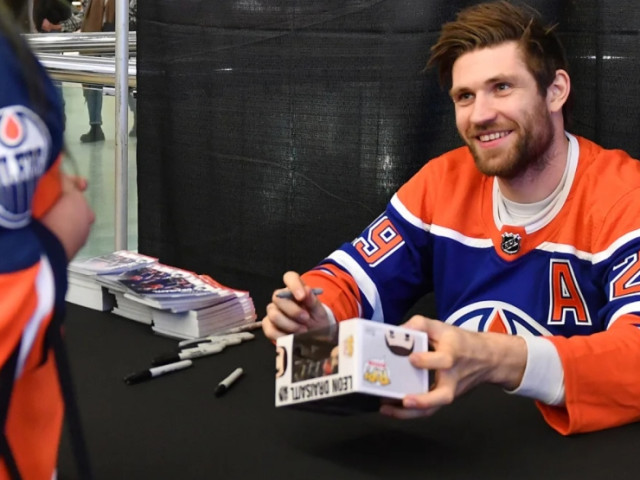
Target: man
(44,221)
(527,230)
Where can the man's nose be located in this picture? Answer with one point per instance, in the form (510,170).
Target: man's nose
(483,110)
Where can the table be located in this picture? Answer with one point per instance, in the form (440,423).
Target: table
(173,427)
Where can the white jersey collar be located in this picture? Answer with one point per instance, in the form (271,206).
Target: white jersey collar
(533,217)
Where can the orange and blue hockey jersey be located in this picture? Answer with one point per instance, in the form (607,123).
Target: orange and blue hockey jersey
(32,272)
(573,276)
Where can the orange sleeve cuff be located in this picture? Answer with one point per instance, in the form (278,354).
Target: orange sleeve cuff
(602,389)
(340,292)
(48,190)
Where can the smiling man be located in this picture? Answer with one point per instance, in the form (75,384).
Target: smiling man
(529,237)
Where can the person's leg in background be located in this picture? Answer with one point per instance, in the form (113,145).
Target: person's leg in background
(93,97)
(58,86)
(133,106)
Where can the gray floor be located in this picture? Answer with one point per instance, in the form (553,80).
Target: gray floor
(96,161)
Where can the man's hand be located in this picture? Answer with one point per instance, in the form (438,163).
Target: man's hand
(460,361)
(301,313)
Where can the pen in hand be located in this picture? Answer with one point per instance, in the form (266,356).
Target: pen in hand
(289,296)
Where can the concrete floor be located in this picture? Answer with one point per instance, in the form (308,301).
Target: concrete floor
(96,161)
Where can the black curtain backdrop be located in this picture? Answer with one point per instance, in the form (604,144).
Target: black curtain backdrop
(273,131)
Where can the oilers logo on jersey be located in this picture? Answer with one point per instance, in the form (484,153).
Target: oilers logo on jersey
(24,150)
(491,316)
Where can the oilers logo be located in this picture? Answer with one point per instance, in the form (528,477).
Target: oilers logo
(498,317)
(24,150)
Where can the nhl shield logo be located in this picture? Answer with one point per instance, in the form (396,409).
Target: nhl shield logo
(510,243)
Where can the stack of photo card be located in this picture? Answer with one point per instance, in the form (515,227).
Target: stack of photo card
(84,288)
(232,308)
(202,322)
(176,302)
(173,301)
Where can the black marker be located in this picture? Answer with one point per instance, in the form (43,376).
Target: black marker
(156,372)
(225,384)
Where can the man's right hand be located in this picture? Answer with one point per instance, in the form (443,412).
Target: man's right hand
(301,313)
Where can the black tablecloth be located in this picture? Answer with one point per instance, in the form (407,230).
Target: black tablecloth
(173,427)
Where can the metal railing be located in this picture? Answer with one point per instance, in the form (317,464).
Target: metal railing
(72,57)
(81,42)
(84,69)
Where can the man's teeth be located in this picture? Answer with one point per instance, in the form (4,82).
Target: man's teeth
(492,136)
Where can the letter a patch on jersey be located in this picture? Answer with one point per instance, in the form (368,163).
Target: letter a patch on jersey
(565,297)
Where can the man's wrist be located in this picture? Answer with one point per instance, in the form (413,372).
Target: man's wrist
(509,360)
(544,374)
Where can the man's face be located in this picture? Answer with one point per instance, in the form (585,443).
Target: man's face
(500,113)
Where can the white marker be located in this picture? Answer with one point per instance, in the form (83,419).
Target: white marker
(225,384)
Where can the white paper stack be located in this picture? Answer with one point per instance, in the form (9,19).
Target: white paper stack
(84,286)
(230,313)
(176,302)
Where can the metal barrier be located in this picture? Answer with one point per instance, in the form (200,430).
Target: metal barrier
(81,42)
(85,69)
(71,57)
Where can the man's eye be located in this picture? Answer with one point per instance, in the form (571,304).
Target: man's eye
(464,98)
(503,87)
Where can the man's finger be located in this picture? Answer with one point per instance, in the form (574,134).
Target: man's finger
(295,284)
(283,321)
(406,413)
(437,360)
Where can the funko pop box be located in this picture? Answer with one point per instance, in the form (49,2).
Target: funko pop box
(345,368)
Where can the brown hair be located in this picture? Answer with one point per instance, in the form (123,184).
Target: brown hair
(493,23)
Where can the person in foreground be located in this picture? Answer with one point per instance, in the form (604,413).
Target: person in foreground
(44,221)
(527,230)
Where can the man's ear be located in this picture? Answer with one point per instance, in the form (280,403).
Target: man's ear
(558,91)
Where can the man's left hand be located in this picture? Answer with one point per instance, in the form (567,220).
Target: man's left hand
(460,360)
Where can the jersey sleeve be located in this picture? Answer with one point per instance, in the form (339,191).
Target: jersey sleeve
(387,268)
(601,379)
(48,190)
(602,385)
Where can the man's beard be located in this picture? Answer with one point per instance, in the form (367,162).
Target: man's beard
(529,153)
